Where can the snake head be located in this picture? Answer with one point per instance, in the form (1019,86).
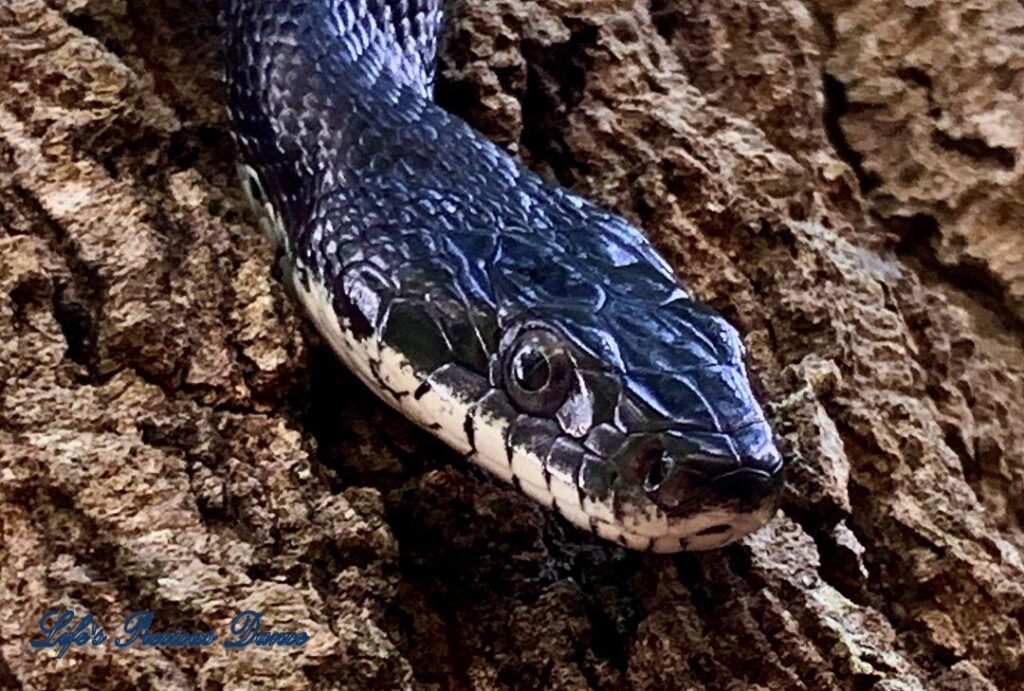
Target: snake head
(656,442)
(601,389)
(641,411)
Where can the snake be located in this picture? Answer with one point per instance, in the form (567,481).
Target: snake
(538,335)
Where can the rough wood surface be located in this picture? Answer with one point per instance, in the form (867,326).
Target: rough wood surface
(844,180)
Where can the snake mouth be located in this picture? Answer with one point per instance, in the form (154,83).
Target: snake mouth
(743,485)
(748,486)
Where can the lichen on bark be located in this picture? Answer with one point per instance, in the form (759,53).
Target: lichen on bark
(845,181)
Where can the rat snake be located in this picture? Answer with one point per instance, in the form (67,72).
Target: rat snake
(541,337)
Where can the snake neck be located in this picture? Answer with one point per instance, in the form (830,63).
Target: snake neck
(308,79)
(367,38)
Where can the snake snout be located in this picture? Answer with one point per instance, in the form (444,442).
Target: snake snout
(681,480)
(760,473)
(751,487)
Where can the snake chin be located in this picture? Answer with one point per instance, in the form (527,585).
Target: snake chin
(712,530)
(709,525)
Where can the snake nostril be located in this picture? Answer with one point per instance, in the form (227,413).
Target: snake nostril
(655,465)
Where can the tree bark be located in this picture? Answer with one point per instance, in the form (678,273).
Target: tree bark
(843,180)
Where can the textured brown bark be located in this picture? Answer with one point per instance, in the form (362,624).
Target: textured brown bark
(844,180)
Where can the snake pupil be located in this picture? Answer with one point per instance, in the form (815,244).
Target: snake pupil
(531,370)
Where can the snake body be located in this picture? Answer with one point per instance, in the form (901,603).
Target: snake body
(540,336)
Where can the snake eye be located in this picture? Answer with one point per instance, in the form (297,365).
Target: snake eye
(538,372)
